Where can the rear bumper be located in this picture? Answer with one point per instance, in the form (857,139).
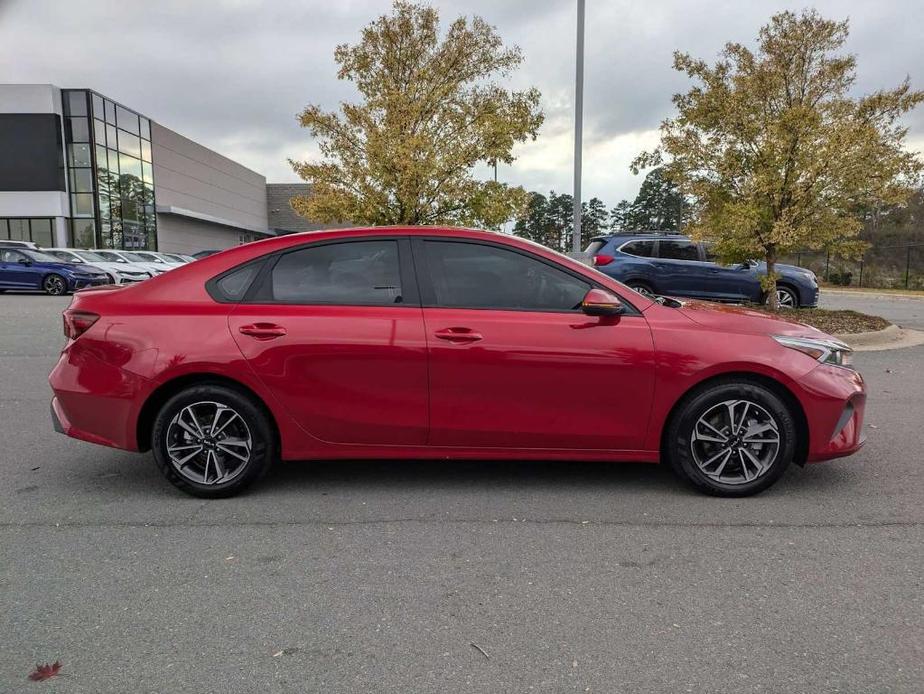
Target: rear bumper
(95,401)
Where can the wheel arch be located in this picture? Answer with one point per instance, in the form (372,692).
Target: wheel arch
(145,423)
(786,284)
(780,389)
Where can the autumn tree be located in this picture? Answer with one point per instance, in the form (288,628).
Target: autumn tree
(431,109)
(659,206)
(775,152)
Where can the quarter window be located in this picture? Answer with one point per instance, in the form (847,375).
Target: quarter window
(351,273)
(471,275)
(678,250)
(641,249)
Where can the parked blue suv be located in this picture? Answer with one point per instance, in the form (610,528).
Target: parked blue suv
(673,264)
(24,268)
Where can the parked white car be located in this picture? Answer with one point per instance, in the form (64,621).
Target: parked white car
(177,257)
(120,273)
(151,258)
(129,259)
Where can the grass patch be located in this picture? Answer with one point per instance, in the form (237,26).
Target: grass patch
(833,322)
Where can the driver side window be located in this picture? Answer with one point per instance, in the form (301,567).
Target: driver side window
(474,275)
(11,256)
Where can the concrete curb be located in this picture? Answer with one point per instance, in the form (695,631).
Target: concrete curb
(893,337)
(871,292)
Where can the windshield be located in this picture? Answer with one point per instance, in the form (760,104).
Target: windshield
(149,257)
(111,257)
(65,256)
(175,258)
(38,257)
(135,257)
(90,256)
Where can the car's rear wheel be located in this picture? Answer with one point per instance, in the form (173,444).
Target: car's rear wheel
(731,439)
(641,288)
(55,285)
(212,441)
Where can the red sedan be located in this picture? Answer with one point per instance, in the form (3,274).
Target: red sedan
(441,343)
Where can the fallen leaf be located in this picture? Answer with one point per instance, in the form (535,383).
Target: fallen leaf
(45,672)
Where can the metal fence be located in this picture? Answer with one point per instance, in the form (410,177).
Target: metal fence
(881,267)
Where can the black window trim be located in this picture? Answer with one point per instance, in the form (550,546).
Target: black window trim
(700,256)
(428,293)
(256,293)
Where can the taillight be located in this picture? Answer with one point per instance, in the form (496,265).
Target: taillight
(602,259)
(76,323)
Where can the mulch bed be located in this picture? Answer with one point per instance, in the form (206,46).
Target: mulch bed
(834,322)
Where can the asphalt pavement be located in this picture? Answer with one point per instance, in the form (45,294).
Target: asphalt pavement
(905,311)
(385,576)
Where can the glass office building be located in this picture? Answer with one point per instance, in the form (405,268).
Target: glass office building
(110,173)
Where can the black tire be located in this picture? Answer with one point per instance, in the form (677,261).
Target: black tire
(681,451)
(54,285)
(642,288)
(256,424)
(782,292)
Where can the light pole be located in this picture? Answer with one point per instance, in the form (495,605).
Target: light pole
(578,126)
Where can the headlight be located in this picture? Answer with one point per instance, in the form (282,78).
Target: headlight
(829,351)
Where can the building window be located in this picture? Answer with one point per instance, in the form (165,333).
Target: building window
(110,174)
(39,230)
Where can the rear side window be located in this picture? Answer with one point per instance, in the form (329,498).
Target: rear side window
(642,249)
(471,275)
(678,250)
(349,273)
(234,285)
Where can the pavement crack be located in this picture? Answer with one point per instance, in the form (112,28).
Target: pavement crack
(583,523)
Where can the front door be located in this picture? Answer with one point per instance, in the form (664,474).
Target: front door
(16,271)
(335,331)
(514,363)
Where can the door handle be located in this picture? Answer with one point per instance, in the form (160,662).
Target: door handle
(458,335)
(262,331)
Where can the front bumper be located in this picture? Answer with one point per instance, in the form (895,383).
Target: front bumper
(83,282)
(834,402)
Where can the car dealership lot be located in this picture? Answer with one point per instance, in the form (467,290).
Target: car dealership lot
(344,577)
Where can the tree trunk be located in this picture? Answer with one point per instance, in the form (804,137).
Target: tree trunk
(770,287)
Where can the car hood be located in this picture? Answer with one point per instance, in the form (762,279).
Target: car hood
(725,318)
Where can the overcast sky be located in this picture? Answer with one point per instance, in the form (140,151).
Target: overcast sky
(232,74)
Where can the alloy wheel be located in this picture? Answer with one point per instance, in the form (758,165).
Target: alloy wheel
(54,285)
(208,443)
(643,290)
(735,442)
(785,298)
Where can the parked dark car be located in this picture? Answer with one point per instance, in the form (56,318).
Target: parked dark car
(23,268)
(656,263)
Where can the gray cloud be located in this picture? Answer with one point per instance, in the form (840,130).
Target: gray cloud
(233,73)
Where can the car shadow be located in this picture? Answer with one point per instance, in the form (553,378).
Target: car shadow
(467,475)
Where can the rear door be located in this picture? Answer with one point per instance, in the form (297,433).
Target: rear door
(514,363)
(335,331)
(680,268)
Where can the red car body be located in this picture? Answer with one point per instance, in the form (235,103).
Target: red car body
(420,381)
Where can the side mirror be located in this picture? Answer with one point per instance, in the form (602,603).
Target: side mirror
(25,261)
(599,302)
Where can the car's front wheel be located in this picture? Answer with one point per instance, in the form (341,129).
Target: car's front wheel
(55,285)
(786,297)
(731,439)
(212,441)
